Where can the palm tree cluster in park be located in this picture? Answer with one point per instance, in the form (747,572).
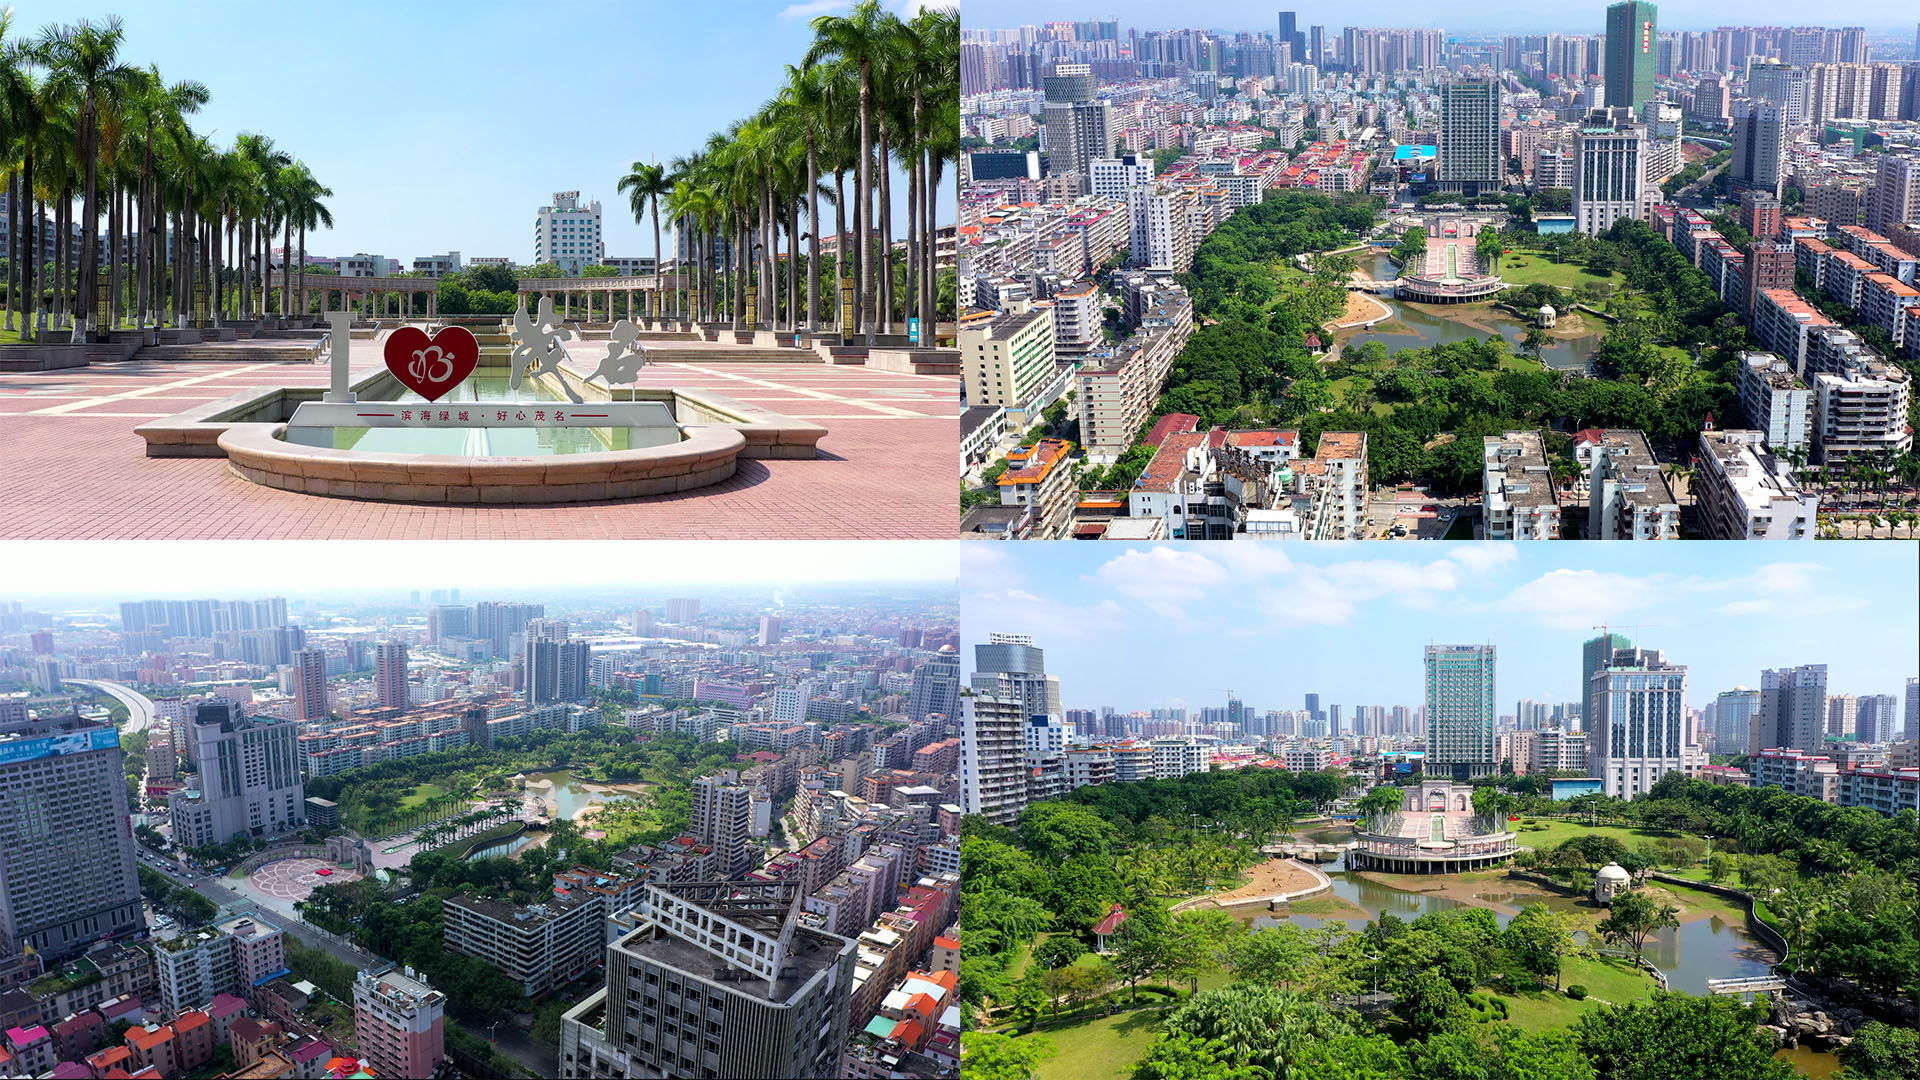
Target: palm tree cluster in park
(874,103)
(188,225)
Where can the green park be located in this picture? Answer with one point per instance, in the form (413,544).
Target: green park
(1496,974)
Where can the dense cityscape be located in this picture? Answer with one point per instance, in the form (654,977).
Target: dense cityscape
(1649,873)
(435,834)
(1620,281)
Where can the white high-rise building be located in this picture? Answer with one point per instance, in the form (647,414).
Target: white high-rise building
(1113,177)
(1159,229)
(1639,728)
(720,813)
(249,778)
(1470,158)
(993,779)
(1793,710)
(1759,159)
(567,234)
(1609,171)
(1896,194)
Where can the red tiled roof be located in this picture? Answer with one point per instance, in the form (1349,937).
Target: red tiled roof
(1170,423)
(1115,916)
(1169,460)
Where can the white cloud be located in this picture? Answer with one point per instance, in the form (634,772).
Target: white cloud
(1164,579)
(1483,557)
(1017,611)
(807,9)
(1575,599)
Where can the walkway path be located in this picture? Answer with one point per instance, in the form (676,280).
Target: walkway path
(75,470)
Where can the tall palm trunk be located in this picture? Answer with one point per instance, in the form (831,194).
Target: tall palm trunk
(659,267)
(793,265)
(286,265)
(885,253)
(113,260)
(14,246)
(910,301)
(61,253)
(813,235)
(30,315)
(840,246)
(863,195)
(90,210)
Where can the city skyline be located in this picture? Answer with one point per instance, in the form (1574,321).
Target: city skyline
(116,570)
(365,154)
(1246,15)
(1149,626)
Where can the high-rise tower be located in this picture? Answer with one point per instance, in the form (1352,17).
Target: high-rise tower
(1461,710)
(1632,53)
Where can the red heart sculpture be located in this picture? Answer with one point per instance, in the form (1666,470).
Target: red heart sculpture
(432,366)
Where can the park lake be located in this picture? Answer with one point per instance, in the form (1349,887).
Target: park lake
(1711,942)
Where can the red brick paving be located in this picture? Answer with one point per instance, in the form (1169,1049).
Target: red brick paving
(886,467)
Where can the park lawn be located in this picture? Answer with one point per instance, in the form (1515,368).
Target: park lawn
(421,795)
(1102,1048)
(1530,267)
(1607,979)
(1559,832)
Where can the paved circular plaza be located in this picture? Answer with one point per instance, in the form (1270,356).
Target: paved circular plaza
(295,879)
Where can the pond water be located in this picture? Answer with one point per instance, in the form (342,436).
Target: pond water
(1417,326)
(1818,1064)
(569,795)
(502,847)
(1690,954)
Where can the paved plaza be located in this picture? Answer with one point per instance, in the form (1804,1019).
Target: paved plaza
(291,880)
(71,466)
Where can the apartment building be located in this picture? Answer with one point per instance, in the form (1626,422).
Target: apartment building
(1628,496)
(1040,477)
(1008,359)
(538,946)
(1746,492)
(718,979)
(1776,401)
(1860,407)
(1517,491)
(399,1022)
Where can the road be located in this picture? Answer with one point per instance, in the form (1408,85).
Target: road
(539,1060)
(139,706)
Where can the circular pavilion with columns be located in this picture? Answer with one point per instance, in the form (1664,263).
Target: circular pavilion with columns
(1435,831)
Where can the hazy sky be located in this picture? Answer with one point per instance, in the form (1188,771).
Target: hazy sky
(1515,15)
(1135,626)
(443,125)
(142,569)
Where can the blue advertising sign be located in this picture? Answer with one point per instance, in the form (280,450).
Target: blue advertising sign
(913,330)
(72,742)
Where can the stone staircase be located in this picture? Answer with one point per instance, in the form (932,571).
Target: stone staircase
(257,351)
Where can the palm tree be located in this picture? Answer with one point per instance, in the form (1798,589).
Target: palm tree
(156,105)
(933,60)
(863,37)
(83,62)
(17,90)
(805,101)
(262,200)
(645,185)
(302,194)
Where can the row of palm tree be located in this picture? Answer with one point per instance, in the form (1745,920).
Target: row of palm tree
(189,226)
(875,95)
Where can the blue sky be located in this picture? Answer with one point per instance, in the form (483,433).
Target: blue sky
(1136,626)
(496,105)
(1516,15)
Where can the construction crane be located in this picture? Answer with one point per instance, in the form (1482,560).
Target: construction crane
(1227,690)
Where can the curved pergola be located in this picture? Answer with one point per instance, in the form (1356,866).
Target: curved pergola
(382,290)
(569,292)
